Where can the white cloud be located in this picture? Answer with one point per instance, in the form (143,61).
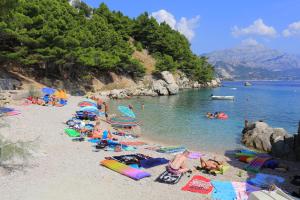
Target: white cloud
(249,42)
(187,26)
(184,26)
(257,28)
(292,29)
(164,16)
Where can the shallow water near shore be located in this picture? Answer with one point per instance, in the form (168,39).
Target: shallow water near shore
(181,120)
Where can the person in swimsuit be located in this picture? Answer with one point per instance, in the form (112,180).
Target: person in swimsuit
(211,164)
(106,109)
(178,164)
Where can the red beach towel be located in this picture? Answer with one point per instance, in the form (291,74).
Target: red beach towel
(198,184)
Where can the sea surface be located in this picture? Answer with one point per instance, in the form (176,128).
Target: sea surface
(180,119)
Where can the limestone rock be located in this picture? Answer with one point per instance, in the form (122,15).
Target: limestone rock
(168,77)
(173,88)
(118,94)
(261,136)
(258,136)
(159,86)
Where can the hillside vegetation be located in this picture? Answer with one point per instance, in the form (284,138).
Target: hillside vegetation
(51,38)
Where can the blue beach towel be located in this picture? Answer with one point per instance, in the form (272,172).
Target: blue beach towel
(264,180)
(223,190)
(94,140)
(152,162)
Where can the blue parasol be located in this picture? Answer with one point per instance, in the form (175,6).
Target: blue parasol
(91,109)
(47,90)
(126,111)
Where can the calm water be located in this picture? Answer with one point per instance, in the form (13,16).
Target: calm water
(181,119)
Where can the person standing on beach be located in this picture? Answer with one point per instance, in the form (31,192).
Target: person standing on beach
(99,104)
(143,106)
(106,110)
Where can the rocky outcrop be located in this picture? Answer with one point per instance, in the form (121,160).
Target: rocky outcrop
(160,87)
(277,141)
(162,84)
(168,82)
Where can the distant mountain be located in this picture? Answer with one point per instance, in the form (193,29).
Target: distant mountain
(255,62)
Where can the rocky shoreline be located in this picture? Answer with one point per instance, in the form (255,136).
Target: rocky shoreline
(110,85)
(276,141)
(162,84)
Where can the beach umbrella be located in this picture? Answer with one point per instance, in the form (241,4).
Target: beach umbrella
(125,110)
(85,104)
(47,90)
(90,100)
(61,94)
(91,109)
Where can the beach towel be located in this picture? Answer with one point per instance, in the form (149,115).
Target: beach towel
(133,143)
(153,162)
(223,190)
(224,168)
(94,140)
(131,158)
(265,180)
(125,170)
(168,178)
(257,163)
(72,132)
(198,184)
(195,155)
(12,113)
(6,110)
(171,149)
(243,189)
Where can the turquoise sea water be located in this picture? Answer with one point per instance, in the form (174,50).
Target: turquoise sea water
(181,119)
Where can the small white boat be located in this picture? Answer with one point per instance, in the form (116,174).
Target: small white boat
(222,97)
(247,84)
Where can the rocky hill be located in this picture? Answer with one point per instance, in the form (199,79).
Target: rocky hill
(70,45)
(255,62)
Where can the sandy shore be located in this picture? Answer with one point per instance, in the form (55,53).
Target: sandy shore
(67,170)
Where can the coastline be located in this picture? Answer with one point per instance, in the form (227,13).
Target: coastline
(62,169)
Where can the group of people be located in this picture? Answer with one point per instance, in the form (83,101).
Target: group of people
(216,115)
(179,165)
(47,100)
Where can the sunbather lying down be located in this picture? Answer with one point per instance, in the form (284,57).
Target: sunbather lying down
(178,164)
(211,164)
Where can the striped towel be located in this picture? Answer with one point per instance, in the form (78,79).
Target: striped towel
(256,164)
(243,189)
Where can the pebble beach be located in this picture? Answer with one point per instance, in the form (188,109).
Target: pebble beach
(63,169)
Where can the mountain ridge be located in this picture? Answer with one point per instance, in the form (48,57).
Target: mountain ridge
(254,62)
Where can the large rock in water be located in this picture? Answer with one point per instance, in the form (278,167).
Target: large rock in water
(159,86)
(173,89)
(261,136)
(171,86)
(168,77)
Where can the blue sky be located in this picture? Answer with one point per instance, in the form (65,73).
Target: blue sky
(217,24)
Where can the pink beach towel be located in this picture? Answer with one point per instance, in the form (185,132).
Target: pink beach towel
(195,155)
(243,190)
